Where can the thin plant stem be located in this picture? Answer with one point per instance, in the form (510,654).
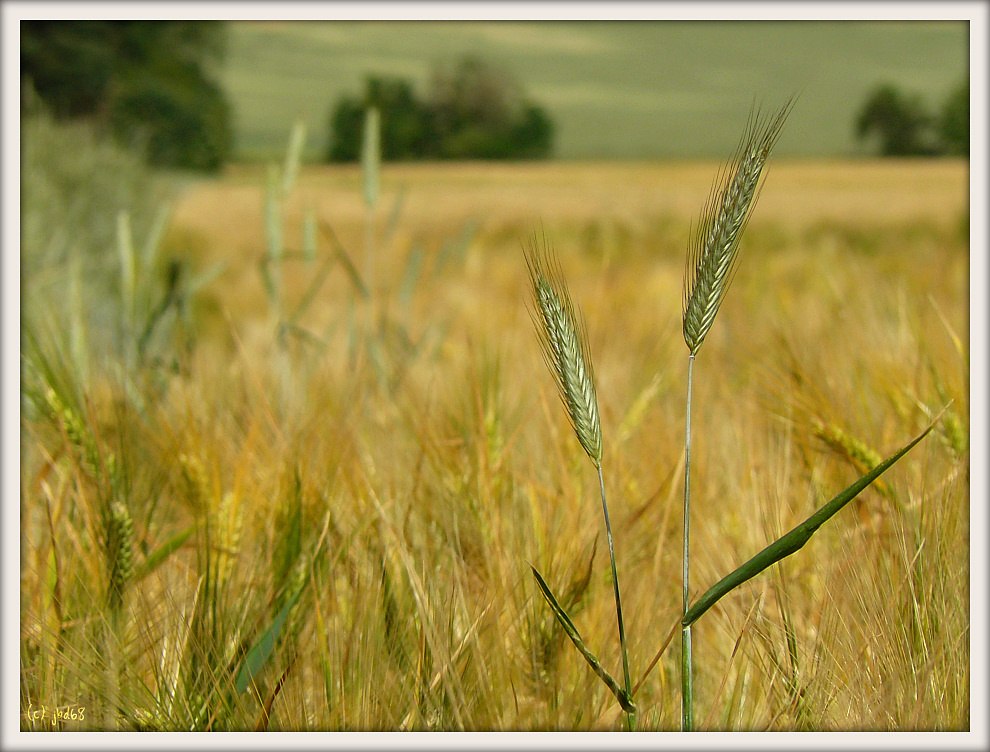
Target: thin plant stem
(369,253)
(630,717)
(687,666)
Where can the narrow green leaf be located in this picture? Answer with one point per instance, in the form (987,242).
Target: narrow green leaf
(293,157)
(796,538)
(78,345)
(392,224)
(128,266)
(310,295)
(160,554)
(204,278)
(273,214)
(303,335)
(52,589)
(262,650)
(344,258)
(625,700)
(267,277)
(153,242)
(455,249)
(414,263)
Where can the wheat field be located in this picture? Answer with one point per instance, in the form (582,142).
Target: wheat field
(317,507)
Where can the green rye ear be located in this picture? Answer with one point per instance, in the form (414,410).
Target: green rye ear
(713,251)
(564,341)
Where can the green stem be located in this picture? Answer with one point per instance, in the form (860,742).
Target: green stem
(687,666)
(630,717)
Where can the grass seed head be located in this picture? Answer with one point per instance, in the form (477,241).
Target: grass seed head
(713,251)
(856,451)
(564,341)
(197,485)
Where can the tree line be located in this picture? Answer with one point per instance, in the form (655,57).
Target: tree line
(154,86)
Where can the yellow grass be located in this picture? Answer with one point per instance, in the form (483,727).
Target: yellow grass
(407,499)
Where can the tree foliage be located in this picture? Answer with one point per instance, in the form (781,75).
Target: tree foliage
(472,111)
(899,121)
(905,128)
(954,123)
(147,82)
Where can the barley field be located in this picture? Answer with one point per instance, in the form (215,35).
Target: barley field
(298,476)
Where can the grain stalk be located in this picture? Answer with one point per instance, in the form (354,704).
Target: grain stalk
(712,258)
(567,352)
(370,178)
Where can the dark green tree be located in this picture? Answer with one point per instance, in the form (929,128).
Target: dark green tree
(901,123)
(403,122)
(954,121)
(151,83)
(533,135)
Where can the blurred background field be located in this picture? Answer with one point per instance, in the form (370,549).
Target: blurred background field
(617,211)
(289,447)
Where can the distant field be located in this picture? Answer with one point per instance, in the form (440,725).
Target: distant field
(615,89)
(437,199)
(634,213)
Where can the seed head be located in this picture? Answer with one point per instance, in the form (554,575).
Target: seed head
(564,341)
(713,251)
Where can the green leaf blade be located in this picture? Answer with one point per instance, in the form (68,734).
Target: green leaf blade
(263,648)
(157,557)
(624,698)
(796,538)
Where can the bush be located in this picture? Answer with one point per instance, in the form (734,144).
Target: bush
(905,128)
(473,111)
(403,121)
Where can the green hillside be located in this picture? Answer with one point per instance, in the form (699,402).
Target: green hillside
(615,89)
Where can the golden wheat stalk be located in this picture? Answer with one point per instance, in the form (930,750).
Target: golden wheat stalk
(713,252)
(564,341)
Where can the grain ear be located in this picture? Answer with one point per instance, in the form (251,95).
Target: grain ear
(564,341)
(713,250)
